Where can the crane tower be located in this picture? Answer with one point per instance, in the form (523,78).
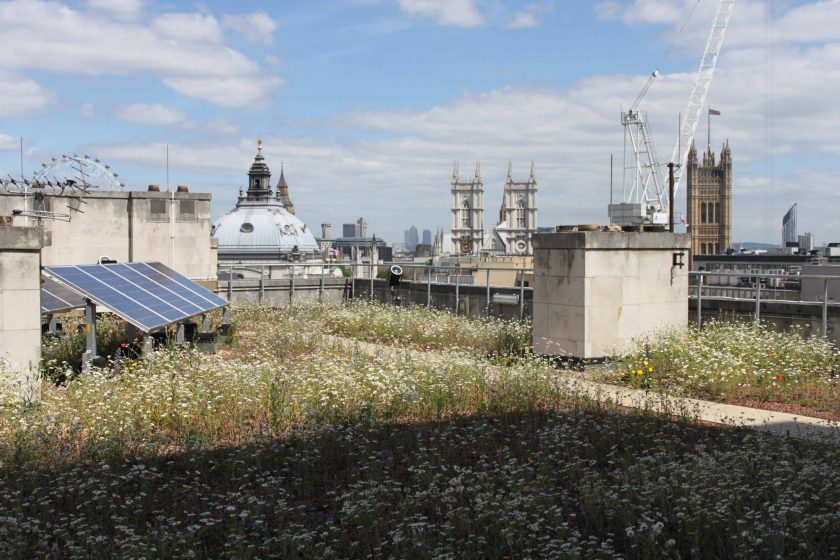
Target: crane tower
(646,200)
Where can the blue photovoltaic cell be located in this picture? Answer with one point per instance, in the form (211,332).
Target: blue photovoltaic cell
(56,297)
(148,295)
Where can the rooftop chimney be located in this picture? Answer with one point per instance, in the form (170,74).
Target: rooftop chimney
(154,188)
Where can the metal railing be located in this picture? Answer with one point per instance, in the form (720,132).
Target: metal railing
(417,274)
(763,288)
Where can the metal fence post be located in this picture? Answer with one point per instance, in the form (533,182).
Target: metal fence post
(825,308)
(230,283)
(371,278)
(429,286)
(352,281)
(522,294)
(292,286)
(457,292)
(700,301)
(758,300)
(487,307)
(262,283)
(321,287)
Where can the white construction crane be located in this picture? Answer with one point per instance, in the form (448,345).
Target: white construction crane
(647,202)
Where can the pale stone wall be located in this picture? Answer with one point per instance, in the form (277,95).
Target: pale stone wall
(120,225)
(20,313)
(595,293)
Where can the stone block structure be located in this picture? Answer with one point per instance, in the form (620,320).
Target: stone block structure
(596,292)
(20,312)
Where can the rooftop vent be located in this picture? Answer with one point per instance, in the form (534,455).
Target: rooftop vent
(154,188)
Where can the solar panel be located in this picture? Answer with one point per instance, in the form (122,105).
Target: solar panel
(56,297)
(147,295)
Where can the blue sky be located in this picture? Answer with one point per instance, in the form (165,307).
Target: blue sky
(369,102)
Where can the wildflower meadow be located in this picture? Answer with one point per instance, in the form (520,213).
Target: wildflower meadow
(288,444)
(737,362)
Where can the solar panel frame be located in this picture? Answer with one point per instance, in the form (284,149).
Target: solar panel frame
(57,297)
(148,295)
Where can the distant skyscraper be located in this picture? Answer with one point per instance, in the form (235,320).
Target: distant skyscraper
(348,230)
(789,234)
(361,228)
(427,237)
(411,238)
(709,193)
(806,243)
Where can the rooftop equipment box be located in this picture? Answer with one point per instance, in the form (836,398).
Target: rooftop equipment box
(597,292)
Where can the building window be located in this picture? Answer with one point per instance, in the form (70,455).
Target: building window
(717,212)
(703,214)
(717,248)
(520,215)
(246,227)
(465,214)
(158,210)
(186,210)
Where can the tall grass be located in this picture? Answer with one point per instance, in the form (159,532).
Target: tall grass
(428,328)
(288,446)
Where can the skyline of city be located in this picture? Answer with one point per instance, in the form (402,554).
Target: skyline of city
(475,81)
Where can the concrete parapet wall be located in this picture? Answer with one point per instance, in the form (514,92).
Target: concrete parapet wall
(280,293)
(20,312)
(596,292)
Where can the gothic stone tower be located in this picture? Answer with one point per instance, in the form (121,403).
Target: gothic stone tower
(709,194)
(518,214)
(283,192)
(467,213)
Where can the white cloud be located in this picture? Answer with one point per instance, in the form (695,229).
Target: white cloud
(256,27)
(9,142)
(523,20)
(642,11)
(151,114)
(122,9)
(457,13)
(226,92)
(186,51)
(20,96)
(88,110)
(609,9)
(188,27)
(337,165)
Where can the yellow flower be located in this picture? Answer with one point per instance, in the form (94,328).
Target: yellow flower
(650,369)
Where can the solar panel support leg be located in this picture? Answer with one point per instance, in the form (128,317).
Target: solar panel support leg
(148,345)
(205,323)
(90,333)
(179,334)
(131,333)
(52,324)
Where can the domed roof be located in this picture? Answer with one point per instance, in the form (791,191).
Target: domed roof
(262,229)
(260,226)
